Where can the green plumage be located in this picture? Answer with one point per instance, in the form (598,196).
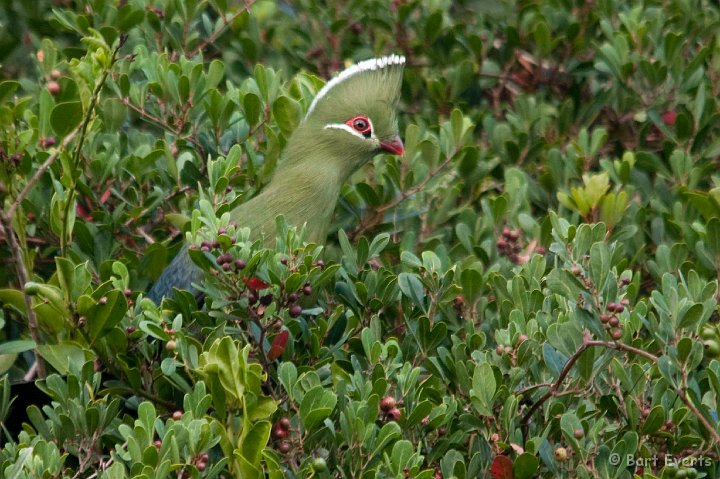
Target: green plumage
(320,156)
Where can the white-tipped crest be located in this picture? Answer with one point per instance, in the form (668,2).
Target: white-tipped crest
(365,65)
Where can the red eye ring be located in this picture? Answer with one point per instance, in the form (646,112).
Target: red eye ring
(361,124)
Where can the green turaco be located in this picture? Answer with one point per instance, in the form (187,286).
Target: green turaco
(352,118)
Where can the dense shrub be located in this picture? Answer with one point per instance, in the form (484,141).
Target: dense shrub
(531,291)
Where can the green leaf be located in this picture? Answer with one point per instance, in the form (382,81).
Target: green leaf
(65,117)
(483,389)
(287,113)
(17,346)
(525,466)
(317,404)
(107,313)
(252,107)
(412,287)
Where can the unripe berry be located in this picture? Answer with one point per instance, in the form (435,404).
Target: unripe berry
(177,415)
(578,433)
(171,345)
(561,454)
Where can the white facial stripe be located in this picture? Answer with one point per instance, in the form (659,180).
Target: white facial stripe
(371,64)
(348,128)
(343,126)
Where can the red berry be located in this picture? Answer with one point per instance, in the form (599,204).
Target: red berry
(617,334)
(53,87)
(614,321)
(284,447)
(394,414)
(278,432)
(669,118)
(284,423)
(387,403)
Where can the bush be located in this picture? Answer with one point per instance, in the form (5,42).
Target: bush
(530,292)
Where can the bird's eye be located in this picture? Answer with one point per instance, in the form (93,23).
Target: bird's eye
(361,124)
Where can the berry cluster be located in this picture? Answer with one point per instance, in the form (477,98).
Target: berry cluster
(508,244)
(388,406)
(281,432)
(611,321)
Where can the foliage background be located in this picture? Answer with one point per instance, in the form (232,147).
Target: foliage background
(534,283)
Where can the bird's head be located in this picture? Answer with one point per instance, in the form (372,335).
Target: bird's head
(353,117)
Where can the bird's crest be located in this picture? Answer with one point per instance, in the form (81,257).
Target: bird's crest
(369,81)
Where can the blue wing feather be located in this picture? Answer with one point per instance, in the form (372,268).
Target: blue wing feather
(181,273)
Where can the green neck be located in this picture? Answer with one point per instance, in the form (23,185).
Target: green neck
(304,188)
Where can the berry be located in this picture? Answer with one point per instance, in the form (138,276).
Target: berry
(130,329)
(617,334)
(578,433)
(500,350)
(307,289)
(157,443)
(295,310)
(53,87)
(561,454)
(55,74)
(226,266)
(669,118)
(712,348)
(284,447)
(278,432)
(387,403)
(605,318)
(171,345)
(319,464)
(127,292)
(239,264)
(201,465)
(292,297)
(177,415)
(394,414)
(266,299)
(522,338)
(614,321)
(284,423)
(284,261)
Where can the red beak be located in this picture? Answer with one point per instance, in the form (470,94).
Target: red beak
(394,146)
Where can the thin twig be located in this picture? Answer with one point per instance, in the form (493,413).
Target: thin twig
(214,35)
(379,211)
(23,277)
(621,347)
(43,168)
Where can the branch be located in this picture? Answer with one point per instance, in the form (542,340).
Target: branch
(620,347)
(43,168)
(214,36)
(22,272)
(377,215)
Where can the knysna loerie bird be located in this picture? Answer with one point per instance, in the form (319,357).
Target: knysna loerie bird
(352,118)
